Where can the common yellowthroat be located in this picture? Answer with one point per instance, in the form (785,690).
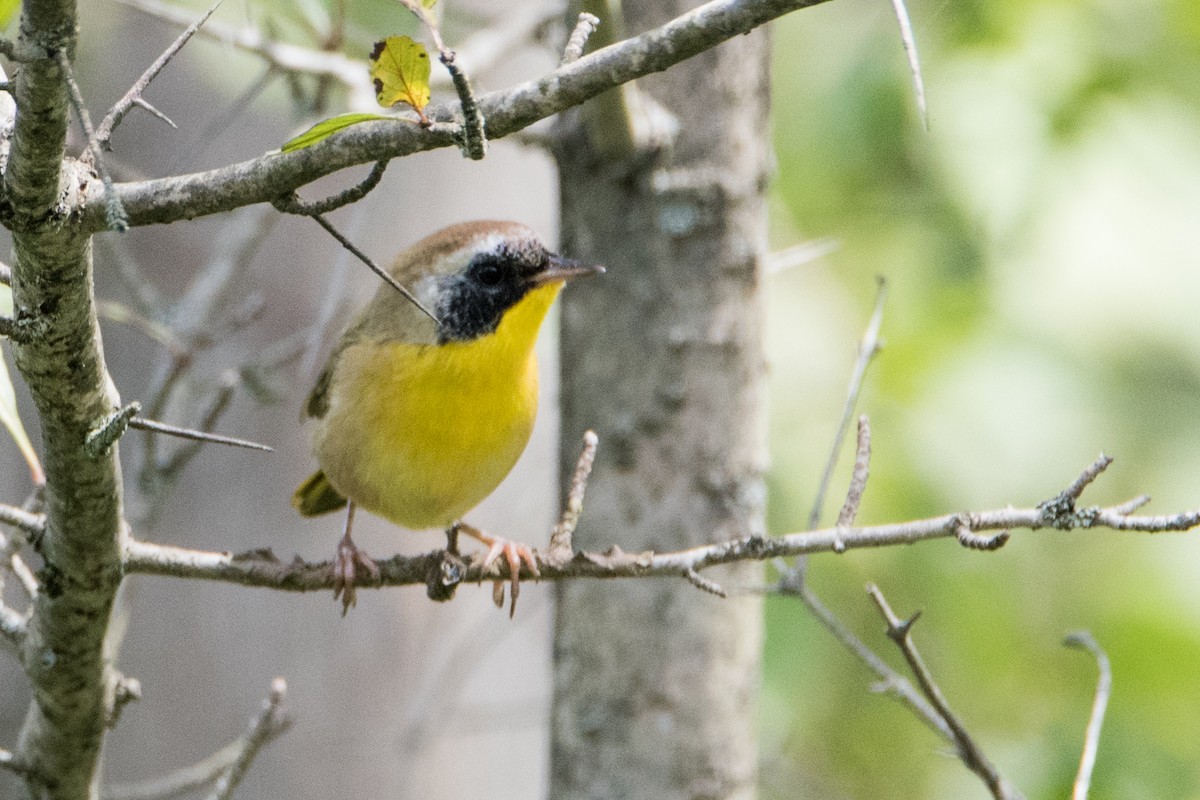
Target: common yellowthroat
(419,420)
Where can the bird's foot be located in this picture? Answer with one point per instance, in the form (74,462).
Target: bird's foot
(346,563)
(515,554)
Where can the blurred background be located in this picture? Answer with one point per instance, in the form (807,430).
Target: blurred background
(1042,246)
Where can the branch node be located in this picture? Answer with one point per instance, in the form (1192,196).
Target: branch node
(446,571)
(1058,511)
(704,584)
(101,438)
(24,327)
(114,213)
(125,690)
(585,26)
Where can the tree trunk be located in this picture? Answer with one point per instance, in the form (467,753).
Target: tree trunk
(656,681)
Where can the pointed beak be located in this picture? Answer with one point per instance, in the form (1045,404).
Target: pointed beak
(564,269)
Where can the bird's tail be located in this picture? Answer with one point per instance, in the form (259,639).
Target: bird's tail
(317,496)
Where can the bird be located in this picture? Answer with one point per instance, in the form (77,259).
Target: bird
(429,397)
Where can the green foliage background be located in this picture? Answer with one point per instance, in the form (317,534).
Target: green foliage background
(1042,242)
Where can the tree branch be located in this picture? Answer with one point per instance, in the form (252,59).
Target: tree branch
(262,568)
(900,632)
(1083,640)
(267,177)
(225,767)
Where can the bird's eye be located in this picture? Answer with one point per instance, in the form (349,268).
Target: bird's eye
(489,275)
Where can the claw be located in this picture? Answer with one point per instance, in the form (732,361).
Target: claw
(515,554)
(346,564)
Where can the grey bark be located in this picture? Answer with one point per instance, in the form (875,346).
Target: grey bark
(656,681)
(63,365)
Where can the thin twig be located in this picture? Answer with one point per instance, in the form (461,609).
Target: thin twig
(116,218)
(800,254)
(383,274)
(199,436)
(267,725)
(585,26)
(704,584)
(12,625)
(175,464)
(292,204)
(858,479)
(560,539)
(914,62)
(134,96)
(474,135)
(868,348)
(899,631)
(1133,505)
(8,761)
(18,517)
(101,438)
(793,584)
(1083,640)
(219,124)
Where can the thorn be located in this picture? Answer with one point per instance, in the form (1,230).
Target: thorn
(197,436)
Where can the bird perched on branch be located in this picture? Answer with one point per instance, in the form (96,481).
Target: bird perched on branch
(428,400)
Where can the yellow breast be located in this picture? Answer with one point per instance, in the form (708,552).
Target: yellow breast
(420,434)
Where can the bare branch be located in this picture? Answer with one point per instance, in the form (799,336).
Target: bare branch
(560,539)
(12,624)
(474,138)
(267,725)
(577,41)
(858,480)
(914,61)
(794,584)
(195,435)
(262,568)
(704,584)
(8,761)
(34,524)
(1083,640)
(899,631)
(1133,505)
(292,204)
(265,178)
(134,96)
(868,347)
(364,258)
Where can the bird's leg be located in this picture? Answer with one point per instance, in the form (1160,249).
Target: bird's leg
(514,554)
(346,563)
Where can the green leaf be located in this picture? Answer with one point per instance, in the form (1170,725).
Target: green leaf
(326,128)
(428,3)
(400,69)
(8,404)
